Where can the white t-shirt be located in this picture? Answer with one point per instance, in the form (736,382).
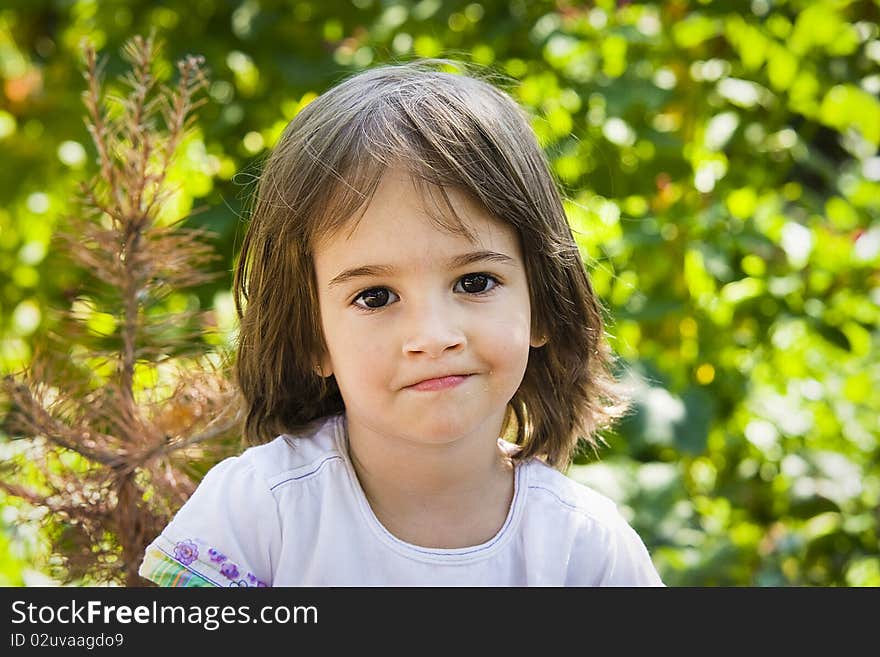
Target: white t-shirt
(292,513)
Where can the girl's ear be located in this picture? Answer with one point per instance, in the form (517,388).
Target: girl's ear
(539,335)
(324,369)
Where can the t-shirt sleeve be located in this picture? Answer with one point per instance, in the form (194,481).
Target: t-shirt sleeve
(226,534)
(628,562)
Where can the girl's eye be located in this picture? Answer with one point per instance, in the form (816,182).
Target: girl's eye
(378,297)
(374,298)
(477,283)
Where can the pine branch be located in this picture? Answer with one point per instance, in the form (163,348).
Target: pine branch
(35,419)
(132,443)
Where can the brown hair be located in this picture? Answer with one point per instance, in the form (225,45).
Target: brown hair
(449,131)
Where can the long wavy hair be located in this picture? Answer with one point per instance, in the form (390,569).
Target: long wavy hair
(449,130)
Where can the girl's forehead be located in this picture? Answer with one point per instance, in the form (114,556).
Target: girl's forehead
(408,224)
(403,205)
(403,229)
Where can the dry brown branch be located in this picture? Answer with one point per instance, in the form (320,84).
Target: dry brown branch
(114,455)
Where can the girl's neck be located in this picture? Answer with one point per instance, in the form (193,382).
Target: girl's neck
(441,496)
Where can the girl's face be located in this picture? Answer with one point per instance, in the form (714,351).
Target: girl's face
(402,301)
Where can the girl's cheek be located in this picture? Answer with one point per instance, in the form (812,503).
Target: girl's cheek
(510,330)
(371,348)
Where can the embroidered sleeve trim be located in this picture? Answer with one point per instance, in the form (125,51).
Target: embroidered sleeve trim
(192,562)
(165,571)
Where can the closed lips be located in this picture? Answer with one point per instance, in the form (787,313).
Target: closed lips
(434,378)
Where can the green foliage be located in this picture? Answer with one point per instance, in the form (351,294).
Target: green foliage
(723,181)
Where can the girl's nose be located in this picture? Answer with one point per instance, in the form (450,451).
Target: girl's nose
(432,328)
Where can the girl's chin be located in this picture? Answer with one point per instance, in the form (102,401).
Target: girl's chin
(435,423)
(442,430)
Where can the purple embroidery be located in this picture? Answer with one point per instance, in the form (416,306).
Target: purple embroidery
(186,552)
(229,570)
(256,582)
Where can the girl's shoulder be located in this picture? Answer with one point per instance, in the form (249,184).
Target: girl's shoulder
(228,533)
(605,549)
(551,488)
(289,454)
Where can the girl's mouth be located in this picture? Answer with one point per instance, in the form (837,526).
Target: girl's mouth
(442,383)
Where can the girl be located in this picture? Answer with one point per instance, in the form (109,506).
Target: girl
(420,351)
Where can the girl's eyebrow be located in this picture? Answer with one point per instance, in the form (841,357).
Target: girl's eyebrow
(453,263)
